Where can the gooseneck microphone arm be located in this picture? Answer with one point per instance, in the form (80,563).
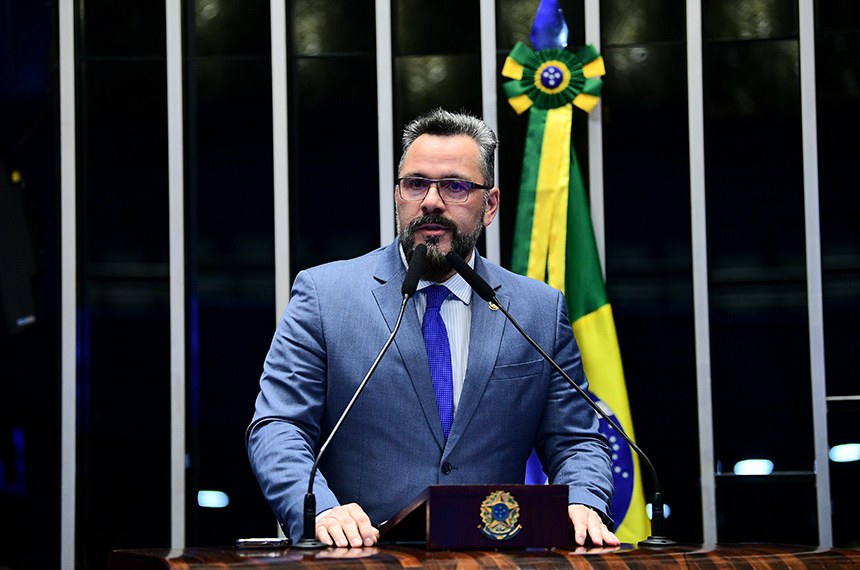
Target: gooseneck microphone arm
(483,289)
(410,284)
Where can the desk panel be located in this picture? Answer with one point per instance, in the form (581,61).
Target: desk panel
(759,556)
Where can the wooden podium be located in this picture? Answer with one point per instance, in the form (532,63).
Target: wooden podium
(482,517)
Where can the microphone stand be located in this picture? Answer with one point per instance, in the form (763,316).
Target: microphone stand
(410,283)
(656,539)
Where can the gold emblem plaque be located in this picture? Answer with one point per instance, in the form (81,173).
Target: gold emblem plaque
(500,513)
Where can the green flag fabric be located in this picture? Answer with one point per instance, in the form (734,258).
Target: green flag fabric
(554,242)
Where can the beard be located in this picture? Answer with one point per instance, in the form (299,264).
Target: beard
(436,267)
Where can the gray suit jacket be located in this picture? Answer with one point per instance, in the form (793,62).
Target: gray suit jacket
(391,447)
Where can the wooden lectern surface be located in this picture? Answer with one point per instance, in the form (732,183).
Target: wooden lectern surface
(759,556)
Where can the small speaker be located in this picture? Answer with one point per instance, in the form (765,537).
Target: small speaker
(17,257)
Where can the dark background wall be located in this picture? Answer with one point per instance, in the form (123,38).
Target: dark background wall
(756,240)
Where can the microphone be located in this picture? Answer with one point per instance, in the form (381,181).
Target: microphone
(483,289)
(410,284)
(413,272)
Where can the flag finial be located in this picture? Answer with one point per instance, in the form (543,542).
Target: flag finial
(549,29)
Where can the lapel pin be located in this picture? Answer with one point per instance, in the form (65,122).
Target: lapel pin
(493,306)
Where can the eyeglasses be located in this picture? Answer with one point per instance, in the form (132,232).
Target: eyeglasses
(452,190)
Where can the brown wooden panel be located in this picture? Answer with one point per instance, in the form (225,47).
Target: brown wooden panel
(759,556)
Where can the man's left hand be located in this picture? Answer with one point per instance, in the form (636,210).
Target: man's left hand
(586,522)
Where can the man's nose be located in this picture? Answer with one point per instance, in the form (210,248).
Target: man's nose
(432,201)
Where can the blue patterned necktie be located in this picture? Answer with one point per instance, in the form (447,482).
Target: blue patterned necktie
(439,354)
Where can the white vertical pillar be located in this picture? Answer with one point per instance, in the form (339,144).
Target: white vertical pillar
(595,144)
(813,268)
(385,121)
(68,284)
(280,162)
(280,153)
(695,104)
(176,215)
(490,112)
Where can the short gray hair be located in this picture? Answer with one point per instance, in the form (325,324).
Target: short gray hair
(444,123)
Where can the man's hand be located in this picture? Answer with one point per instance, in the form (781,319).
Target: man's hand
(587,522)
(346,525)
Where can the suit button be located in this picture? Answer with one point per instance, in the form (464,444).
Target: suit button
(446,468)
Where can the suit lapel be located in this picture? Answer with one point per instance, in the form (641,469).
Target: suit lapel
(484,345)
(409,341)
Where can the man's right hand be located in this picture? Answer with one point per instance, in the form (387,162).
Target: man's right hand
(346,525)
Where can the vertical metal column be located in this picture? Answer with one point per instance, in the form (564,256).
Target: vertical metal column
(68,286)
(595,144)
(490,112)
(280,161)
(700,269)
(176,217)
(281,154)
(814,293)
(385,120)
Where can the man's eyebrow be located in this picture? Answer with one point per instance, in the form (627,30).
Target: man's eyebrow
(422,175)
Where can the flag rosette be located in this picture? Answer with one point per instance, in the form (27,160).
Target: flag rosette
(553,77)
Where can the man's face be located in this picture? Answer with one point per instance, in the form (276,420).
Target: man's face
(444,227)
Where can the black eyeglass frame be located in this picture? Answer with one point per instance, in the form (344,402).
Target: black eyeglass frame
(436,182)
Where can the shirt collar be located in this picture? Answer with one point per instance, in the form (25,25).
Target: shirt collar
(456,284)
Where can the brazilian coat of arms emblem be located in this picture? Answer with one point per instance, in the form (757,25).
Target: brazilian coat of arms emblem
(500,514)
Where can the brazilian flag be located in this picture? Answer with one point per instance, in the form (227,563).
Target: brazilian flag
(554,242)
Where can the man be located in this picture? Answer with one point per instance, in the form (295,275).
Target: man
(398,438)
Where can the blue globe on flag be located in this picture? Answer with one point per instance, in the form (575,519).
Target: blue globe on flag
(622,464)
(623,468)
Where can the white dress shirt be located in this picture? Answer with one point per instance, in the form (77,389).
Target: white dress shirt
(457,316)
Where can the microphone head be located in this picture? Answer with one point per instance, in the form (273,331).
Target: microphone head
(481,287)
(414,271)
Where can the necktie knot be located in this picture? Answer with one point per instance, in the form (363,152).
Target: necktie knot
(436,294)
